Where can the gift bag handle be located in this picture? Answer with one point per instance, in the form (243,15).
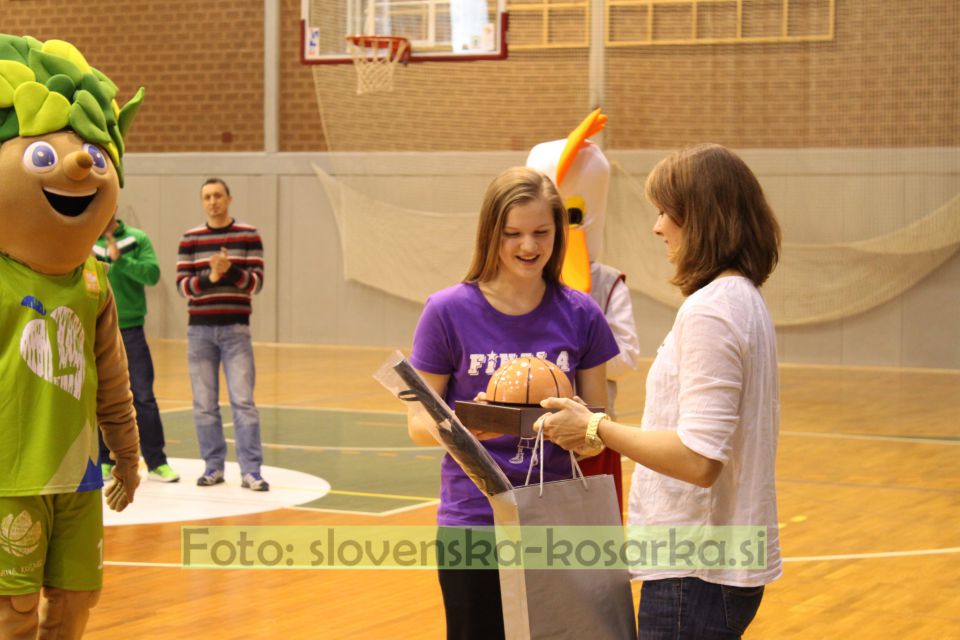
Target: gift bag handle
(574,467)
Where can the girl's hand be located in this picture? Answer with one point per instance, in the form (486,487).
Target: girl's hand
(483,435)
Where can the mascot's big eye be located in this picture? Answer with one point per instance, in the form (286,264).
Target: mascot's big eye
(99,162)
(40,157)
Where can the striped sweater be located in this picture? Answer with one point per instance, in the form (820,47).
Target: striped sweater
(228,300)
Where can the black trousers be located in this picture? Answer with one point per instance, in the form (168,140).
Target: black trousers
(471,596)
(471,601)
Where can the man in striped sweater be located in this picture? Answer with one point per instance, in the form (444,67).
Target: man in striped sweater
(219,268)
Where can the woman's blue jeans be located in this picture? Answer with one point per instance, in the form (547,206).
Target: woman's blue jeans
(692,609)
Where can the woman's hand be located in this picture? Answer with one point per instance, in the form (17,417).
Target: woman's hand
(568,426)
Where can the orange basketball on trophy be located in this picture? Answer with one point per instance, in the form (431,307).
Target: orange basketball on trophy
(513,397)
(526,381)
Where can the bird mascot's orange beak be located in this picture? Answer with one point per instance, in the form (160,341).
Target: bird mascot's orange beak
(582,176)
(576,264)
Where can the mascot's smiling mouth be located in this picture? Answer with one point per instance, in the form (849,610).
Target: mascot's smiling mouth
(68,204)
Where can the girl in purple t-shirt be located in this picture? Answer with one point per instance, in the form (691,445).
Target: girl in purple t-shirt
(510,304)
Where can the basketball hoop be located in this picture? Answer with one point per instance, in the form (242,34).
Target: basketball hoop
(375,58)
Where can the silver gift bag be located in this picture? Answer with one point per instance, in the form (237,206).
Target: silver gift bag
(563,603)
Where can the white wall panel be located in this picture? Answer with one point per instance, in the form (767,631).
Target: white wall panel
(820,195)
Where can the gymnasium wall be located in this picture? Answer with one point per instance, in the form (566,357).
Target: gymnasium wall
(820,196)
(200,60)
(887,79)
(867,121)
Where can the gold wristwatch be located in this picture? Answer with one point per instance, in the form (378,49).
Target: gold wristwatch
(591,436)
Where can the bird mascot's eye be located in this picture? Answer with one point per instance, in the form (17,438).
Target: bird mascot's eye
(40,157)
(99,161)
(576,209)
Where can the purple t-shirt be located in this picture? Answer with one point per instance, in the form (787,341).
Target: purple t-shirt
(461,335)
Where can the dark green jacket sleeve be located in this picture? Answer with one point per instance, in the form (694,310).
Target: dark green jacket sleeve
(140,265)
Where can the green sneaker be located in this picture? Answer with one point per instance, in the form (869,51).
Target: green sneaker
(106,470)
(164,473)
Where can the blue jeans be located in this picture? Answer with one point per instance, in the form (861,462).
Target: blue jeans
(140,365)
(207,347)
(691,609)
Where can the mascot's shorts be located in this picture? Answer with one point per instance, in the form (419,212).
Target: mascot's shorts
(54,540)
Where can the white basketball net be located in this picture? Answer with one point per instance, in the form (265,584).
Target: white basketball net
(375,59)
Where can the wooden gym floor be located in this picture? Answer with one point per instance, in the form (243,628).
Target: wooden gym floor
(869,497)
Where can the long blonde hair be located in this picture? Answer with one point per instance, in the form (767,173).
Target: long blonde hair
(515,186)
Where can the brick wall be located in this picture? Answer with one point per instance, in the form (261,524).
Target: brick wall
(200,60)
(888,79)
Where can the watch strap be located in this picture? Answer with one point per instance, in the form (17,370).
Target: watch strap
(593,425)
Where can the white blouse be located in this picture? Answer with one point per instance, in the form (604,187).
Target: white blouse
(714,381)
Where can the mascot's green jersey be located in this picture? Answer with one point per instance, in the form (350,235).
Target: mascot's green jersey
(48,406)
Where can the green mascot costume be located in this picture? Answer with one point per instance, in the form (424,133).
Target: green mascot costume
(62,364)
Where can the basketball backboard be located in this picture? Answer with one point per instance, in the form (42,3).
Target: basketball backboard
(438,30)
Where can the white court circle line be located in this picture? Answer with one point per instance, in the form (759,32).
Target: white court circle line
(160,502)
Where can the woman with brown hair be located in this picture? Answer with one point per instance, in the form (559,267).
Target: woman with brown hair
(511,303)
(707,447)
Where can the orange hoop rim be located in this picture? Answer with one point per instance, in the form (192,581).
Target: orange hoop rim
(399,46)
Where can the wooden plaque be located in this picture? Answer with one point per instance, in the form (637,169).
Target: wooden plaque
(514,420)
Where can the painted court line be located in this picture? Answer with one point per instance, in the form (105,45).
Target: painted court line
(329,409)
(387,496)
(346,512)
(156,565)
(856,436)
(400,415)
(309,447)
(376,514)
(412,507)
(827,558)
(360,494)
(871,556)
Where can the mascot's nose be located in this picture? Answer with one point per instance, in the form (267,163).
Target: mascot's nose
(77,165)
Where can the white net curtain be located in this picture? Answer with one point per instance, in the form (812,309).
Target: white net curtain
(410,254)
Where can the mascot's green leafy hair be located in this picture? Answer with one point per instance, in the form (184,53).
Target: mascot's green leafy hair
(49,86)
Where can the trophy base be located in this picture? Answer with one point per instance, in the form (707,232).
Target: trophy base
(514,420)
